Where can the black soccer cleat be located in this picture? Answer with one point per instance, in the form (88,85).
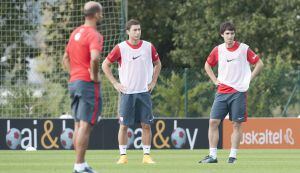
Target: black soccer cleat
(209,159)
(231,160)
(86,170)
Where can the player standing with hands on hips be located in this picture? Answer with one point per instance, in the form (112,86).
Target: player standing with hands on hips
(138,77)
(234,76)
(81,59)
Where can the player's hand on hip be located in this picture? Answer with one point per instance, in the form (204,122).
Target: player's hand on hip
(151,86)
(217,82)
(95,78)
(119,87)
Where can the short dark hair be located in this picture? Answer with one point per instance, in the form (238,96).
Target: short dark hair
(132,22)
(226,26)
(92,11)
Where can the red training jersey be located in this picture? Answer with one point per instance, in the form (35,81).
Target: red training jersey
(212,60)
(82,40)
(115,54)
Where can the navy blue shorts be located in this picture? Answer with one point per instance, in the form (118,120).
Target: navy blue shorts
(135,108)
(234,104)
(86,102)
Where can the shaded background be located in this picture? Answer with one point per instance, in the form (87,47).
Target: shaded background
(33,35)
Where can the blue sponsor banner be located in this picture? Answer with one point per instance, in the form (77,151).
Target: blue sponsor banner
(56,134)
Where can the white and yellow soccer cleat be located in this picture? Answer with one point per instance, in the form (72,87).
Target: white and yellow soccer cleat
(147,159)
(123,159)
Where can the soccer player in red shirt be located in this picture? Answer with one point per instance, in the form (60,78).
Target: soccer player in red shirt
(139,67)
(234,76)
(81,59)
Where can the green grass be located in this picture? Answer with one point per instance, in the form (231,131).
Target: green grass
(168,161)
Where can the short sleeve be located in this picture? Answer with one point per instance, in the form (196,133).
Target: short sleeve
(252,57)
(155,55)
(212,59)
(114,55)
(96,42)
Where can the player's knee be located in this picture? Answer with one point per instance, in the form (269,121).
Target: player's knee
(123,128)
(146,126)
(237,125)
(214,123)
(85,127)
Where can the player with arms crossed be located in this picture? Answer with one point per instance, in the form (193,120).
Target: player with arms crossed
(81,59)
(137,79)
(234,76)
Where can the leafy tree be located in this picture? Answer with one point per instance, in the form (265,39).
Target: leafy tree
(184,32)
(20,102)
(16,25)
(169,97)
(39,30)
(272,88)
(63,17)
(156,18)
(270,28)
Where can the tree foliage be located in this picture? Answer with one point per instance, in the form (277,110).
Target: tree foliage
(270,28)
(184,32)
(39,31)
(16,25)
(169,96)
(192,27)
(156,18)
(272,88)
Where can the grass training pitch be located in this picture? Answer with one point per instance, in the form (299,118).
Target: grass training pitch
(168,161)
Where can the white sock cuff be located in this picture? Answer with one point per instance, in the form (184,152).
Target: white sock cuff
(146,149)
(146,146)
(79,166)
(213,152)
(86,164)
(122,149)
(233,152)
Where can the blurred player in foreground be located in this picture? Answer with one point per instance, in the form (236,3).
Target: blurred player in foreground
(81,59)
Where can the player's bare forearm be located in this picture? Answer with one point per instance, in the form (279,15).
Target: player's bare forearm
(257,69)
(108,73)
(94,65)
(211,74)
(66,62)
(156,71)
(94,70)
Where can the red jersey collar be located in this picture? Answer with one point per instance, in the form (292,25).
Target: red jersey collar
(234,47)
(135,46)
